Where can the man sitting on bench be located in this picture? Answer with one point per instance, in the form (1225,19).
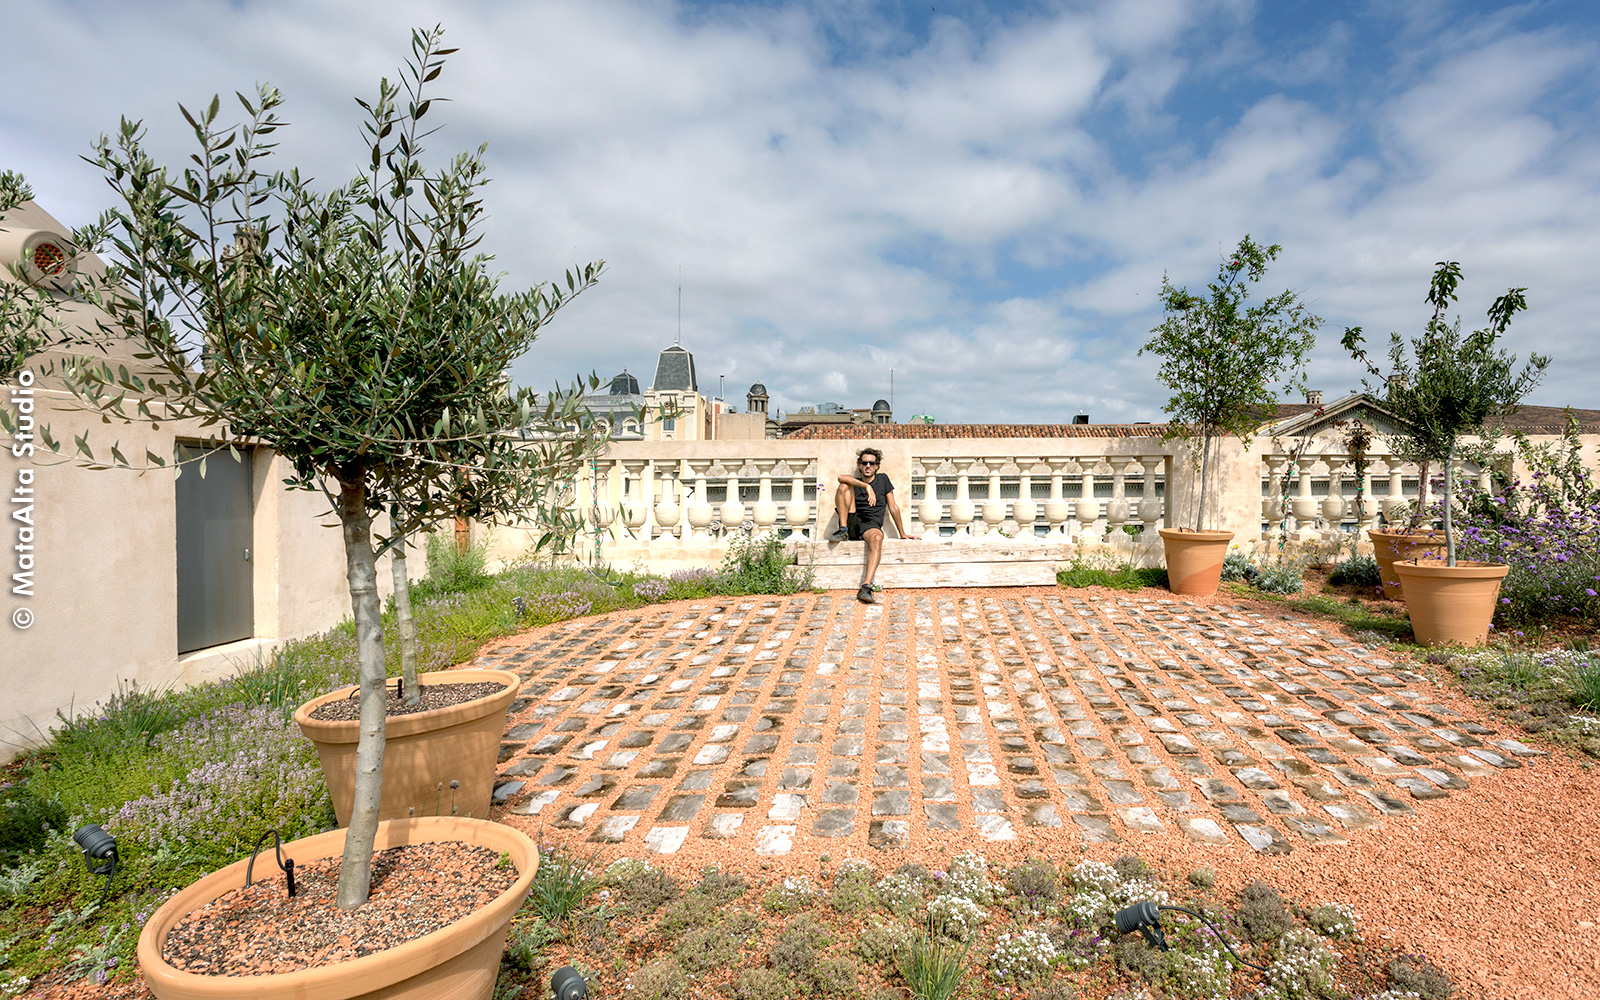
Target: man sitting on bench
(861,501)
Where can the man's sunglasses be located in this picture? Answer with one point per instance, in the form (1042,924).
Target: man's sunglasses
(866,464)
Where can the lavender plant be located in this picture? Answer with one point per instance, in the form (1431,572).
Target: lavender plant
(1546,528)
(255,772)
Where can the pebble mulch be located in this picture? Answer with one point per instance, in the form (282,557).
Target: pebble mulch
(260,930)
(433,696)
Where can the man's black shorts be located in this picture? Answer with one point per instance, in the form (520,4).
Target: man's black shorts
(860,523)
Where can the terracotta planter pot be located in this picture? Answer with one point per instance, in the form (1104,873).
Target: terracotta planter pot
(421,751)
(1194,560)
(458,962)
(1450,605)
(1388,546)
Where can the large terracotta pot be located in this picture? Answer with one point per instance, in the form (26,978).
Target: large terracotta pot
(423,752)
(1388,546)
(1194,560)
(1450,605)
(458,962)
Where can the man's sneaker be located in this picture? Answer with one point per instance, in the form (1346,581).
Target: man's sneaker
(864,595)
(842,535)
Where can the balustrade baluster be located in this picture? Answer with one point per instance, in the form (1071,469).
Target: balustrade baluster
(1057,510)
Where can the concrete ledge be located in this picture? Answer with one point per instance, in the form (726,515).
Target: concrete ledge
(911,564)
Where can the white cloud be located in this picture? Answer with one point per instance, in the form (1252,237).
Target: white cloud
(986,208)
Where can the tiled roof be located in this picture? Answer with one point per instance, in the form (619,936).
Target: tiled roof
(675,371)
(1527,419)
(869,432)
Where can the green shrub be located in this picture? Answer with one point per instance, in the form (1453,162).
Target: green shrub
(1285,577)
(758,564)
(834,978)
(1415,974)
(1203,878)
(26,820)
(1125,576)
(721,887)
(452,569)
(647,890)
(707,948)
(1130,867)
(757,984)
(878,942)
(1261,913)
(663,979)
(1135,957)
(852,888)
(793,953)
(526,943)
(1361,571)
(1237,566)
(1035,886)
(692,909)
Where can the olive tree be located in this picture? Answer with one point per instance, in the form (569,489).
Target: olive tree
(1450,385)
(356,332)
(1221,355)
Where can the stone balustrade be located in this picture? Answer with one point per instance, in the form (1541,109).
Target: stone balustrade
(1322,496)
(667,505)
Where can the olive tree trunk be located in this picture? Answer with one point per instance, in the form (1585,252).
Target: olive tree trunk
(1449,524)
(361,570)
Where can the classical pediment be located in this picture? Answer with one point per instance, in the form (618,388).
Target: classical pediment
(1331,422)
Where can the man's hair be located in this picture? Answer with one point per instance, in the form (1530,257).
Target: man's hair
(875,453)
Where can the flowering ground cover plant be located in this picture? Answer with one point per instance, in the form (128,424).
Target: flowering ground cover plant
(971,929)
(1546,528)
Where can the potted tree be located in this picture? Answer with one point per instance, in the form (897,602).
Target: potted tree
(359,335)
(1449,386)
(1220,357)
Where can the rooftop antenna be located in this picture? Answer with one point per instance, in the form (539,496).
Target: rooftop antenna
(676,341)
(891,388)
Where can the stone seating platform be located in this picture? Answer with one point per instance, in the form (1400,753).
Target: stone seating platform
(920,564)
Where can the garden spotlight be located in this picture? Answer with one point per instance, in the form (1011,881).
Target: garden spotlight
(567,984)
(1145,918)
(98,845)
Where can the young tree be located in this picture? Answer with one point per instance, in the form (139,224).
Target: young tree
(355,332)
(1221,356)
(1451,385)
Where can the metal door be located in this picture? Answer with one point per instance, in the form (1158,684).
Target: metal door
(215,537)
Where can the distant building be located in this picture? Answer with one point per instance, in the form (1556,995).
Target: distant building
(672,408)
(832,414)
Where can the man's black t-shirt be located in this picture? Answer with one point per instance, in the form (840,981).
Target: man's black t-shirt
(881,488)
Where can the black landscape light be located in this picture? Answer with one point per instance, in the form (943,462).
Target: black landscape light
(567,984)
(98,845)
(1145,918)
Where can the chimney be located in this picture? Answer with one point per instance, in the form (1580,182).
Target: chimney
(1082,418)
(1397,382)
(1314,397)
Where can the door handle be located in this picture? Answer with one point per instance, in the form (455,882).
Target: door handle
(246,555)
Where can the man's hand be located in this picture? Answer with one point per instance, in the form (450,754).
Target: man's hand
(872,498)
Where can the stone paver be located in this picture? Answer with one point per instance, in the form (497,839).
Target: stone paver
(1037,709)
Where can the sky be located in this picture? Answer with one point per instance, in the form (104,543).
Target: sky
(977,201)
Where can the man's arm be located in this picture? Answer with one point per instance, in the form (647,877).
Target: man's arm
(849,480)
(894,512)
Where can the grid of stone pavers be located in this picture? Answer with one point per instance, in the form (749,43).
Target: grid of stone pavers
(1039,707)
